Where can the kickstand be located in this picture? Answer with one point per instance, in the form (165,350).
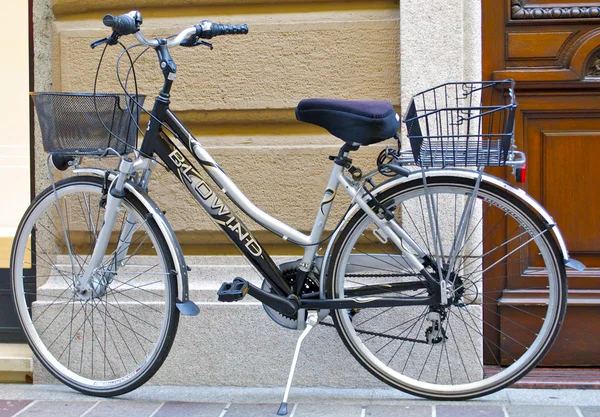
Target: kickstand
(311,321)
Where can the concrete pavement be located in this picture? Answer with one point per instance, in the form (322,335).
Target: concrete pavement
(162,401)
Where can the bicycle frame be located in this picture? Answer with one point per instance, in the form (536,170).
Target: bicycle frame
(157,142)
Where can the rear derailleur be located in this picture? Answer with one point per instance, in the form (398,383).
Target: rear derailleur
(436,333)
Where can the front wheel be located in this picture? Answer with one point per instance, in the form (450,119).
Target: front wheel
(506,281)
(110,340)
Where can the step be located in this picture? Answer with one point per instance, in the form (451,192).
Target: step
(16,363)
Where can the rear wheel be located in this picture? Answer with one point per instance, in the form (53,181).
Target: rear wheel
(507,284)
(113,339)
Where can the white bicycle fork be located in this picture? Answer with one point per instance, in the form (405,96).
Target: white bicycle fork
(114,200)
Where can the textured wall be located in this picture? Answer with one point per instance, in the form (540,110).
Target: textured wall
(239,99)
(440,42)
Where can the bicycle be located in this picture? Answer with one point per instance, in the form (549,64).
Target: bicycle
(427,295)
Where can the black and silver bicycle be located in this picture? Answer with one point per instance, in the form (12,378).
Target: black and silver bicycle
(442,281)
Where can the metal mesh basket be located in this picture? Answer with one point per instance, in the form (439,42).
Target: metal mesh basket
(462,124)
(72,124)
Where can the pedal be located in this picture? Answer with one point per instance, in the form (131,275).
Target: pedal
(233,291)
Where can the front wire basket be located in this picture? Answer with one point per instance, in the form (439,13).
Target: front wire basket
(77,123)
(462,124)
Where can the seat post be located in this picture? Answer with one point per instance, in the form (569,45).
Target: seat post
(342,158)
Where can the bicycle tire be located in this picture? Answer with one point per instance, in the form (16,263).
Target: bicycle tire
(389,347)
(136,319)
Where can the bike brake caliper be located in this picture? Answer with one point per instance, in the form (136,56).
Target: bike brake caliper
(102,202)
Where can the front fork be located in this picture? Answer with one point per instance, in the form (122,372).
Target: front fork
(96,277)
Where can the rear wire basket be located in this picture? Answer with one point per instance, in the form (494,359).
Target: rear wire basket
(74,123)
(462,124)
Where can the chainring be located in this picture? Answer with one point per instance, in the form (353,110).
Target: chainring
(311,285)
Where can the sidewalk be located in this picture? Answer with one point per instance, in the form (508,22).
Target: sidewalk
(155,401)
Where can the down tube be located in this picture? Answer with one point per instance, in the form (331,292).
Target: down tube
(221,214)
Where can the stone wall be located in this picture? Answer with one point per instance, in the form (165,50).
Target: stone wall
(239,99)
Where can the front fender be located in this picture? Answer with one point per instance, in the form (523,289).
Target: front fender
(460,173)
(185,306)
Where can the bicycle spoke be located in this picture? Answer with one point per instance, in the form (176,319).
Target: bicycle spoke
(390,256)
(409,330)
(459,350)
(480,261)
(103,338)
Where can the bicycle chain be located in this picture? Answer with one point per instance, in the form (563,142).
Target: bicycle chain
(289,276)
(407,339)
(379,275)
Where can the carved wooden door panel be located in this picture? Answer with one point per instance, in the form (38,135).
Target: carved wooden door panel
(552,50)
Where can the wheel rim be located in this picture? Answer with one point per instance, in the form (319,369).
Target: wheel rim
(393,359)
(103,342)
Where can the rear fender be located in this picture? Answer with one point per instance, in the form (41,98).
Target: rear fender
(461,173)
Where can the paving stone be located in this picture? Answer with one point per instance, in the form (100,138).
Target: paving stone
(57,409)
(469,410)
(397,410)
(590,411)
(120,408)
(537,411)
(323,409)
(547,397)
(254,410)
(8,408)
(183,409)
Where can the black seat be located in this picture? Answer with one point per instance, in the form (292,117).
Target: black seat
(354,122)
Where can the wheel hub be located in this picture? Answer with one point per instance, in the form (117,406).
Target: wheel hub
(456,288)
(97,288)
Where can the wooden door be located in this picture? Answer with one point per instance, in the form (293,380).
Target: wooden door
(552,50)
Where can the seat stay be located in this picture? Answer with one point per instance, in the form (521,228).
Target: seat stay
(390,230)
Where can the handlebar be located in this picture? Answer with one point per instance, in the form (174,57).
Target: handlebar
(129,24)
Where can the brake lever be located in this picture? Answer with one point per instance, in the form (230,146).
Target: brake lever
(204,43)
(98,42)
(111,40)
(194,40)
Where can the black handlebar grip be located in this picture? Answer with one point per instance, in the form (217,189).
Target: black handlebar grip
(208,30)
(123,25)
(229,29)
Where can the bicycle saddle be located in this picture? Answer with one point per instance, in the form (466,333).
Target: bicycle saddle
(354,122)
